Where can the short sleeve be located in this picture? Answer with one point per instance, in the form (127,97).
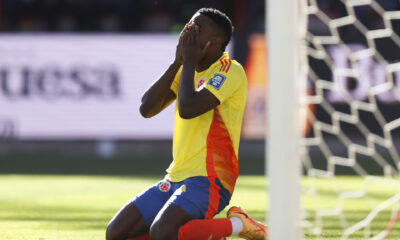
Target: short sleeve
(223,85)
(175,84)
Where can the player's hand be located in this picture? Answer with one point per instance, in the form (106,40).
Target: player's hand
(191,48)
(178,54)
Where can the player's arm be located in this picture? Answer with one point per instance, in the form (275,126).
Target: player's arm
(159,95)
(192,103)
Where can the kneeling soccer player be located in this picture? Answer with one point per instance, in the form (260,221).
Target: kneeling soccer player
(210,93)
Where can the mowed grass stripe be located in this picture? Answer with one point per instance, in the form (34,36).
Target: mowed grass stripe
(78,207)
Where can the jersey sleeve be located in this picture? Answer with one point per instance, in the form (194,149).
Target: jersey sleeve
(175,84)
(223,85)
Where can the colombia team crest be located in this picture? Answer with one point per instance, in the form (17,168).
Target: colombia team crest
(200,83)
(164,186)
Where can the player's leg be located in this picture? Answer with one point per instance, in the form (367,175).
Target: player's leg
(183,215)
(136,217)
(237,223)
(197,198)
(167,223)
(127,222)
(174,224)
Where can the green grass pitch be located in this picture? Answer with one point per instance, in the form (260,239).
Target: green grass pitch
(45,207)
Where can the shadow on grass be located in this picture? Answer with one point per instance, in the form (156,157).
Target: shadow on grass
(332,228)
(65,217)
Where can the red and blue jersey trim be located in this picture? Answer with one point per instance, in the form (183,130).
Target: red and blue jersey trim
(221,160)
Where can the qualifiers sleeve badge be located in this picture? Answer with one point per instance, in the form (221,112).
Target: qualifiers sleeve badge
(217,81)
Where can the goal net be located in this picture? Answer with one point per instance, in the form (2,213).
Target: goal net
(352,127)
(349,54)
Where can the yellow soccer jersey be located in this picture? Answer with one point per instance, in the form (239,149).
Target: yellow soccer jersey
(208,145)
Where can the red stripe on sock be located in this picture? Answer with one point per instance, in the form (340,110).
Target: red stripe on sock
(213,229)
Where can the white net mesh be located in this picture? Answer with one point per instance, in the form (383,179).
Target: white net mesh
(353,113)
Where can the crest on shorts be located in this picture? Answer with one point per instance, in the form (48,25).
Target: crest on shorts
(164,186)
(217,81)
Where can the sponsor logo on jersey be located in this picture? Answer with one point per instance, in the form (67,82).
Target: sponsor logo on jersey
(164,186)
(217,81)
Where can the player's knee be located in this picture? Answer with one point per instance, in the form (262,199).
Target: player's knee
(112,232)
(163,232)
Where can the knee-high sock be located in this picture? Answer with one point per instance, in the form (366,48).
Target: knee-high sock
(207,229)
(145,236)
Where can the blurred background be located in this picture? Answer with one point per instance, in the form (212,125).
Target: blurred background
(72,73)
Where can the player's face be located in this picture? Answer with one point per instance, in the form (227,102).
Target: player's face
(206,29)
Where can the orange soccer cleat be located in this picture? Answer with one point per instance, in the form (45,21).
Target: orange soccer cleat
(252,230)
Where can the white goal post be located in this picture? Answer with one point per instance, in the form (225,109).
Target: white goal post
(338,63)
(283,167)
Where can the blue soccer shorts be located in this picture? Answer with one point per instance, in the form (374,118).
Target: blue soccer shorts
(201,197)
